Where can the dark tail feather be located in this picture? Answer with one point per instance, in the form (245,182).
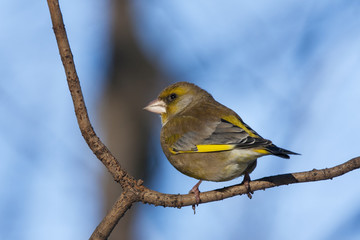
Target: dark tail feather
(280,152)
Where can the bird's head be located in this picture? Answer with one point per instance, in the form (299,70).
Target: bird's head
(175,99)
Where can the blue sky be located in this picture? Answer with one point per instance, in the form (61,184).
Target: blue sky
(290,69)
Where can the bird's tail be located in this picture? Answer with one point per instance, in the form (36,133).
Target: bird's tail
(280,152)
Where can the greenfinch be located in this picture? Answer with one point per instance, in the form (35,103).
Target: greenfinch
(204,139)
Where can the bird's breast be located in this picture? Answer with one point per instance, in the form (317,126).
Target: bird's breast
(214,166)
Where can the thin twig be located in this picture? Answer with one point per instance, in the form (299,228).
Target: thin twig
(173,200)
(95,144)
(124,203)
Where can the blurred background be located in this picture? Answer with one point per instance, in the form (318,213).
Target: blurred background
(291,69)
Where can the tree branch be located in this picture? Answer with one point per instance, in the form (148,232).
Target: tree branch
(133,189)
(172,200)
(124,203)
(87,131)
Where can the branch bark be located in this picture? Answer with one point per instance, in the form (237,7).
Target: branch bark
(134,191)
(124,203)
(172,200)
(87,131)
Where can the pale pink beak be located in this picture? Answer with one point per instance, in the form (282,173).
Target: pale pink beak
(156,106)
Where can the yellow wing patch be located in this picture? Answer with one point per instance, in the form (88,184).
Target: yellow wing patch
(262,151)
(234,120)
(214,148)
(206,148)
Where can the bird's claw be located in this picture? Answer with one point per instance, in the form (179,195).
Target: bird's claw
(246,182)
(195,190)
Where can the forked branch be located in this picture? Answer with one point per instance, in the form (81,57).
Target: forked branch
(133,190)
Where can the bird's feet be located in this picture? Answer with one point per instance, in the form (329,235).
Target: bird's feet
(195,190)
(246,182)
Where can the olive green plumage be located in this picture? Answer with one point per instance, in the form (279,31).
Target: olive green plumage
(204,139)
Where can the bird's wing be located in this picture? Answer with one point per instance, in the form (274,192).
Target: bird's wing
(228,133)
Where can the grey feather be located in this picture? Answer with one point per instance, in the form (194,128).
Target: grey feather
(221,132)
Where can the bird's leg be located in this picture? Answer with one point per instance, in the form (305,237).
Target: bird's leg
(195,190)
(246,182)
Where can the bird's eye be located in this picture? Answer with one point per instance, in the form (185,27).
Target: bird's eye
(172,97)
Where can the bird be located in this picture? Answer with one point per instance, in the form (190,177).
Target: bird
(206,140)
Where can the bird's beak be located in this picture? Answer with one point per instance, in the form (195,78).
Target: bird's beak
(156,106)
